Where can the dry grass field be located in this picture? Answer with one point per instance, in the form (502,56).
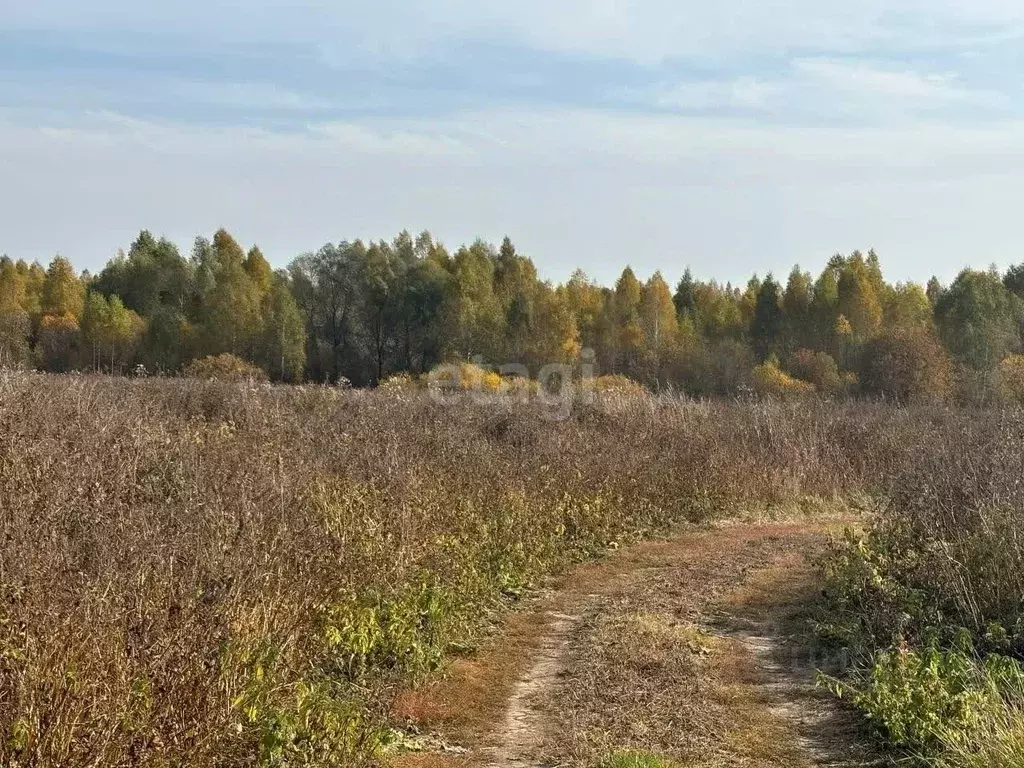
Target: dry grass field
(212,574)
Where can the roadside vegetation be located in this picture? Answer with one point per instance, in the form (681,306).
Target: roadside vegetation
(928,601)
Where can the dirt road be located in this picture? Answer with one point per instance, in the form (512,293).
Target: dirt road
(690,652)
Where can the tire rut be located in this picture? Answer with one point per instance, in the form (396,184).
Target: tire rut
(519,736)
(582,692)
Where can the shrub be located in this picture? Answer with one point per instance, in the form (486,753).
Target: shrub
(926,700)
(224,367)
(906,365)
(467,377)
(817,368)
(615,385)
(15,332)
(464,377)
(718,368)
(1011,379)
(59,342)
(402,382)
(977,388)
(519,386)
(771,381)
(928,600)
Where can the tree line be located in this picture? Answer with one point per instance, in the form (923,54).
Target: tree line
(362,312)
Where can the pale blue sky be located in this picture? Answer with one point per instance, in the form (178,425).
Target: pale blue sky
(733,136)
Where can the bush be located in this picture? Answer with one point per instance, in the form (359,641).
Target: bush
(615,385)
(519,386)
(402,382)
(59,344)
(771,381)
(906,365)
(927,700)
(928,600)
(817,368)
(224,367)
(719,368)
(464,377)
(15,332)
(1011,379)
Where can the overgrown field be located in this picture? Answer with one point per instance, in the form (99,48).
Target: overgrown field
(217,574)
(931,600)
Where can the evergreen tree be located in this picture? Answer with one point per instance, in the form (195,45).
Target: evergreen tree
(685,297)
(768,323)
(798,309)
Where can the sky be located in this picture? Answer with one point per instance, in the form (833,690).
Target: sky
(731,136)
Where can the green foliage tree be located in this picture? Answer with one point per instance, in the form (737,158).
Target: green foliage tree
(475,320)
(326,289)
(907,306)
(768,322)
(685,297)
(231,299)
(283,351)
(516,286)
(586,302)
(1013,280)
(719,313)
(424,290)
(825,306)
(154,280)
(556,337)
(381,290)
(660,324)
(153,275)
(979,320)
(111,332)
(797,305)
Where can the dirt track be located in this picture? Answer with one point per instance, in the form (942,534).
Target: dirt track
(692,650)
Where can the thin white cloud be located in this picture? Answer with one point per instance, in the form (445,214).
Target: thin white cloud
(574,187)
(827,88)
(395,140)
(241,95)
(871,81)
(925,163)
(641,30)
(741,93)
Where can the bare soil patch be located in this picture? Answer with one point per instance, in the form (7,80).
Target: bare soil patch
(685,649)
